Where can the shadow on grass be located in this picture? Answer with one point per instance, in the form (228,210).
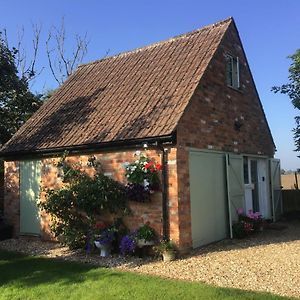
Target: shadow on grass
(23,276)
(32,271)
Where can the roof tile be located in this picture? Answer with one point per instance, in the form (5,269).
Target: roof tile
(137,94)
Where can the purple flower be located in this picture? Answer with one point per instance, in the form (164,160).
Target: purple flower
(254,216)
(137,192)
(128,244)
(106,237)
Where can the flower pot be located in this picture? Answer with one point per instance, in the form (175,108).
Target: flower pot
(105,249)
(169,256)
(142,242)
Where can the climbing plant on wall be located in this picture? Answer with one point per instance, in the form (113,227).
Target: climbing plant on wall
(75,207)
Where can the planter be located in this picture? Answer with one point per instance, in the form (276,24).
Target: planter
(169,255)
(142,242)
(105,249)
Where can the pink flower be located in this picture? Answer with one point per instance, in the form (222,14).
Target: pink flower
(240,211)
(254,216)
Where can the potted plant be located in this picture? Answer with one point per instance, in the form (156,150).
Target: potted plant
(242,229)
(254,218)
(257,220)
(128,244)
(145,236)
(104,240)
(143,178)
(167,249)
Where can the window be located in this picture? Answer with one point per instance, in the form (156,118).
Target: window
(246,170)
(232,71)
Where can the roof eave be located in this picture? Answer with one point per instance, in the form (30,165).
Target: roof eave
(151,142)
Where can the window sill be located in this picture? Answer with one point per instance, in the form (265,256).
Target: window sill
(235,89)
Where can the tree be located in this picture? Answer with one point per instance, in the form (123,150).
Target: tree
(17,102)
(18,68)
(61,63)
(63,55)
(292,89)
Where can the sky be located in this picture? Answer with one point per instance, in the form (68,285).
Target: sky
(268,30)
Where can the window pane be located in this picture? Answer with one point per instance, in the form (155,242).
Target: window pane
(254,180)
(229,70)
(232,71)
(246,170)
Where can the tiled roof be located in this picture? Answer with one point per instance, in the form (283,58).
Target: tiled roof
(133,95)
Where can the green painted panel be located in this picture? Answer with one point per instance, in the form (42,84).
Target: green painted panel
(276,188)
(208,197)
(30,176)
(236,187)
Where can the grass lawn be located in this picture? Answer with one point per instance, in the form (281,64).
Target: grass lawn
(25,277)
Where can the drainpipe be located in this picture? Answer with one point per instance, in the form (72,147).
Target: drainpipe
(165,204)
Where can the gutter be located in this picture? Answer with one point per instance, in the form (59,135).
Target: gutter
(88,148)
(165,200)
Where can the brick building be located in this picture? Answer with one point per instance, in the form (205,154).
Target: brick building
(192,100)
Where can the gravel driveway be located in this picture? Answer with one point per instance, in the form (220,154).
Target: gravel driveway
(269,261)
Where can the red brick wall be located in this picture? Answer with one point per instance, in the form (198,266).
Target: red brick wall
(208,122)
(112,165)
(12,195)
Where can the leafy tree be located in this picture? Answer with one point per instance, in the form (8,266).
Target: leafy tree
(17,102)
(18,69)
(292,89)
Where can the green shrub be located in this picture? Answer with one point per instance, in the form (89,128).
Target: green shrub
(165,246)
(75,207)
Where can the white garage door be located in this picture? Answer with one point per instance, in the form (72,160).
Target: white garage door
(208,197)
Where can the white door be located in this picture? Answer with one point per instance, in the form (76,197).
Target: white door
(264,189)
(257,192)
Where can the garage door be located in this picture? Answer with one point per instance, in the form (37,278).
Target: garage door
(208,197)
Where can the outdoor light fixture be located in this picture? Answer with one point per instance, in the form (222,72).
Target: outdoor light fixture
(145,145)
(238,123)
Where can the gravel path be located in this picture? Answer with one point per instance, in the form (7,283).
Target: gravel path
(269,261)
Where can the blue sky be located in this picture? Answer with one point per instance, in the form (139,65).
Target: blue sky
(269,31)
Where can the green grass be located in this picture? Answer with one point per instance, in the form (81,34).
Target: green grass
(25,277)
